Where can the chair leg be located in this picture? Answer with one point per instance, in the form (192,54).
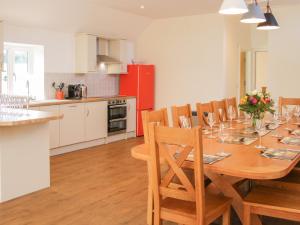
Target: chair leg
(150,207)
(150,197)
(247,215)
(226,217)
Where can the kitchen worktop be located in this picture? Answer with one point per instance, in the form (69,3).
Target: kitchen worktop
(50,102)
(23,117)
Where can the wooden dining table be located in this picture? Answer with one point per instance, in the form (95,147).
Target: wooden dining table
(245,162)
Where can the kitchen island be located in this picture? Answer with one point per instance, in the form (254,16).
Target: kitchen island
(24,152)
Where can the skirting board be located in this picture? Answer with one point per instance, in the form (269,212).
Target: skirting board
(89,144)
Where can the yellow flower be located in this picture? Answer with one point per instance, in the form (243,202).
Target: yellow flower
(244,100)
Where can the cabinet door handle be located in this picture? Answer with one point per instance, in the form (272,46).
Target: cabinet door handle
(72,106)
(88,112)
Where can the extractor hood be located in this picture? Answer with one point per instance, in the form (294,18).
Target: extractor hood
(103,56)
(107,60)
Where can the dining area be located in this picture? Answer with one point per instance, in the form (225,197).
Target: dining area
(223,160)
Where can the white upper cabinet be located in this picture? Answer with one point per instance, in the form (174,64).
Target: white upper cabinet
(131,115)
(123,51)
(86,53)
(96,120)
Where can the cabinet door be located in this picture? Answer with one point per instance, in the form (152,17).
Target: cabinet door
(96,120)
(131,115)
(72,126)
(92,53)
(53,125)
(86,53)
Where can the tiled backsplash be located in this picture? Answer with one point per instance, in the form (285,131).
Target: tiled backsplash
(98,84)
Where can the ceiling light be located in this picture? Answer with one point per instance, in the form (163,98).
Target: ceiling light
(233,7)
(271,23)
(142,6)
(255,14)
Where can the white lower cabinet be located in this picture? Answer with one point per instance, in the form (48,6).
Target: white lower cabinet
(53,125)
(72,126)
(131,115)
(96,120)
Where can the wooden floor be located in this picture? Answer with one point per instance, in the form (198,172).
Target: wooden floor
(98,186)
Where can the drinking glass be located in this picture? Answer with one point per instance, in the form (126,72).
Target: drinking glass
(230,114)
(297,113)
(222,135)
(260,128)
(288,117)
(211,122)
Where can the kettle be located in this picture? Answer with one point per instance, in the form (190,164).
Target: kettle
(83,91)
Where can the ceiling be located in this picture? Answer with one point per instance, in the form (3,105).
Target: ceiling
(174,8)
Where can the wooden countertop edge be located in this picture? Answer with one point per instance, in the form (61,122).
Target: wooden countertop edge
(74,101)
(30,121)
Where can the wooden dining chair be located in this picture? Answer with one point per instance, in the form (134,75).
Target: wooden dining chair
(182,116)
(159,117)
(273,202)
(186,203)
(219,108)
(286,102)
(202,112)
(231,102)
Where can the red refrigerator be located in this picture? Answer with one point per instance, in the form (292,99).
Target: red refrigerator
(139,82)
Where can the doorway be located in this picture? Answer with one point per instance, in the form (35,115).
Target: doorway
(253,70)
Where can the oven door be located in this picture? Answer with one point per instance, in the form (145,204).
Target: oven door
(117,126)
(117,112)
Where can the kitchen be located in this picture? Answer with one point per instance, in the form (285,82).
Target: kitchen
(89,120)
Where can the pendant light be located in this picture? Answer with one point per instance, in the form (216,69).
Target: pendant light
(254,15)
(271,23)
(233,7)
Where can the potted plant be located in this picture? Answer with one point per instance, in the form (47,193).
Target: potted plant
(256,104)
(59,94)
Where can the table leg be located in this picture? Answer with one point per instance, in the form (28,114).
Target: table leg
(228,189)
(150,196)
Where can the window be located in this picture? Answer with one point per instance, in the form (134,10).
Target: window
(23,63)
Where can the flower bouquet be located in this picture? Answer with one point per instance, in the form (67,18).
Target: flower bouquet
(256,104)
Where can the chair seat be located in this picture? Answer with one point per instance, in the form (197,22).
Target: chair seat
(213,204)
(274,198)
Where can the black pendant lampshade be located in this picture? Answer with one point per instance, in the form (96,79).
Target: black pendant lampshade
(271,22)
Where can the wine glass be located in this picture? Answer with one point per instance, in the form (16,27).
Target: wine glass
(260,129)
(231,115)
(288,117)
(297,113)
(222,135)
(211,122)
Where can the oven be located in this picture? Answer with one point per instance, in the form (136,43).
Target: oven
(117,116)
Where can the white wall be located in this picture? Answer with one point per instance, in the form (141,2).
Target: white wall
(188,55)
(59,47)
(237,38)
(196,57)
(284,53)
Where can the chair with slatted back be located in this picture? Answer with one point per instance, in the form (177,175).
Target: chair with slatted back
(219,108)
(202,112)
(282,102)
(187,203)
(231,102)
(273,202)
(159,117)
(182,116)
